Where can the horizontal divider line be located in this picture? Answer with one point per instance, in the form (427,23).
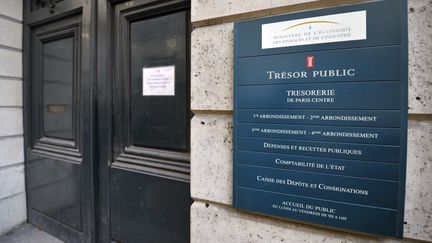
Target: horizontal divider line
(13,195)
(20,135)
(11,106)
(324,50)
(12,78)
(319,199)
(297,124)
(320,141)
(318,82)
(10,48)
(17,164)
(312,125)
(213,112)
(325,141)
(316,156)
(420,117)
(317,109)
(308,109)
(314,172)
(5,17)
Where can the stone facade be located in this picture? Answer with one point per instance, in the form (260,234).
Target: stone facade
(12,188)
(212,216)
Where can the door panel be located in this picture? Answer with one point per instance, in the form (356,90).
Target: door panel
(58,159)
(152,209)
(55,190)
(159,121)
(149,176)
(58,62)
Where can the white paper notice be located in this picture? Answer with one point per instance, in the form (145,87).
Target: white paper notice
(316,30)
(159,81)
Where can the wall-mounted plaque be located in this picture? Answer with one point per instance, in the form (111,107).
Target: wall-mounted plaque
(320,116)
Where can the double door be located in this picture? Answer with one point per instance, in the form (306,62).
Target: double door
(107,119)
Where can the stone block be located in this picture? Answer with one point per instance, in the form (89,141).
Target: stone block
(12,9)
(205,9)
(420,56)
(11,150)
(11,121)
(211,158)
(12,212)
(10,92)
(418,199)
(11,33)
(212,56)
(11,180)
(10,63)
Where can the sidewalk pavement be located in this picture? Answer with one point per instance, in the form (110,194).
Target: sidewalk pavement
(27,233)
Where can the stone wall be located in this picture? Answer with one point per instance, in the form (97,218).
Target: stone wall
(12,189)
(212,216)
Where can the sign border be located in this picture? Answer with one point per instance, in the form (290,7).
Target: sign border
(404,102)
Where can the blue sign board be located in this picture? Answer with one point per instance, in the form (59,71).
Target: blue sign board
(320,116)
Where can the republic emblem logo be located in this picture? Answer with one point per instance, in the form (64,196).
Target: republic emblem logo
(310,61)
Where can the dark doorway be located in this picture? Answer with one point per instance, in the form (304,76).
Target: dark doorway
(107,119)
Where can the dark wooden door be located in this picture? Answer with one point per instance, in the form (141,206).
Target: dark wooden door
(59,121)
(144,119)
(107,119)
